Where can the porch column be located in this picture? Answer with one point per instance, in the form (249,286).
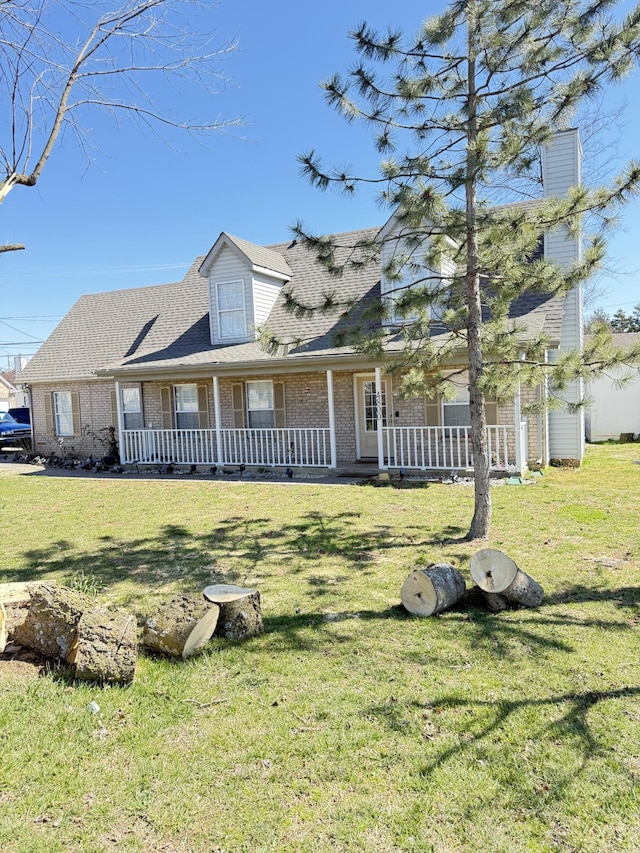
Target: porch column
(124,454)
(332,421)
(379,420)
(518,417)
(216,410)
(120,417)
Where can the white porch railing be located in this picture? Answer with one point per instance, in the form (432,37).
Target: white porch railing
(449,448)
(308,446)
(422,448)
(272,447)
(161,446)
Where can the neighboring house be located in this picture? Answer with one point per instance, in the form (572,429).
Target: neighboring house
(11,394)
(178,371)
(7,391)
(614,410)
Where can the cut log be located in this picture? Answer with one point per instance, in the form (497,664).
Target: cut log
(105,647)
(495,602)
(181,627)
(496,573)
(3,628)
(429,591)
(16,599)
(52,620)
(240,611)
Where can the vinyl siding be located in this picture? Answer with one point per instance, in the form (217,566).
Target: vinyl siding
(265,293)
(229,267)
(561,170)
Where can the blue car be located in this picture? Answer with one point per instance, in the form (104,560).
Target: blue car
(11,431)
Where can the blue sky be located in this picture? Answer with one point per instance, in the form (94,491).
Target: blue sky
(140,212)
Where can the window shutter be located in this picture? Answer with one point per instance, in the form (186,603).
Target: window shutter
(203,407)
(432,411)
(165,407)
(114,408)
(48,414)
(238,405)
(75,411)
(280,420)
(491,411)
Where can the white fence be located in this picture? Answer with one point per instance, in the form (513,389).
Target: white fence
(270,447)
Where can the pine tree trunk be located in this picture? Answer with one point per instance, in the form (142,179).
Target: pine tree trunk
(481,521)
(432,590)
(181,627)
(240,612)
(52,620)
(106,646)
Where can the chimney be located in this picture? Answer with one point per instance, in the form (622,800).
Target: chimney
(561,162)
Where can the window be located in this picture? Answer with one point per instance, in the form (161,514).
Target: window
(456,412)
(398,290)
(63,412)
(371,405)
(264,405)
(232,321)
(186,406)
(260,405)
(132,408)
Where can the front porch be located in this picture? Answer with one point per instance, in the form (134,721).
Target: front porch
(410,448)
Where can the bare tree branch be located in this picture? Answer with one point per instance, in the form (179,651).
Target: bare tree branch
(131,57)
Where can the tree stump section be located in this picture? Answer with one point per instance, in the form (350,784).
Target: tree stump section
(15,598)
(497,574)
(495,602)
(106,646)
(432,590)
(52,620)
(181,627)
(3,628)
(240,612)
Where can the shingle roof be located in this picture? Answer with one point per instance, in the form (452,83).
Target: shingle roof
(167,326)
(262,256)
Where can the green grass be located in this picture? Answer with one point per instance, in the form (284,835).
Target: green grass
(348,725)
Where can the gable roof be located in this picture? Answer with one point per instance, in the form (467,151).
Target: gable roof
(262,257)
(164,329)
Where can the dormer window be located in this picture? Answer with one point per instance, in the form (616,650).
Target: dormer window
(244,283)
(232,317)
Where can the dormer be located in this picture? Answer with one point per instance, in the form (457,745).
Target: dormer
(405,252)
(244,283)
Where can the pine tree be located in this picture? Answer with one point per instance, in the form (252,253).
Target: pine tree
(623,322)
(459,114)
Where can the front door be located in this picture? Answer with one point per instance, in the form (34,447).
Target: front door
(367,407)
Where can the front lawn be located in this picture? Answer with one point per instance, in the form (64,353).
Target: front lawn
(348,725)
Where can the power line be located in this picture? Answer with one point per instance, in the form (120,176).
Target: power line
(36,317)
(19,331)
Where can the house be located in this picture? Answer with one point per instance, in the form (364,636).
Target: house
(614,409)
(178,371)
(11,395)
(7,391)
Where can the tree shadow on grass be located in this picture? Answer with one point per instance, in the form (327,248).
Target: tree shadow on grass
(624,597)
(483,730)
(234,548)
